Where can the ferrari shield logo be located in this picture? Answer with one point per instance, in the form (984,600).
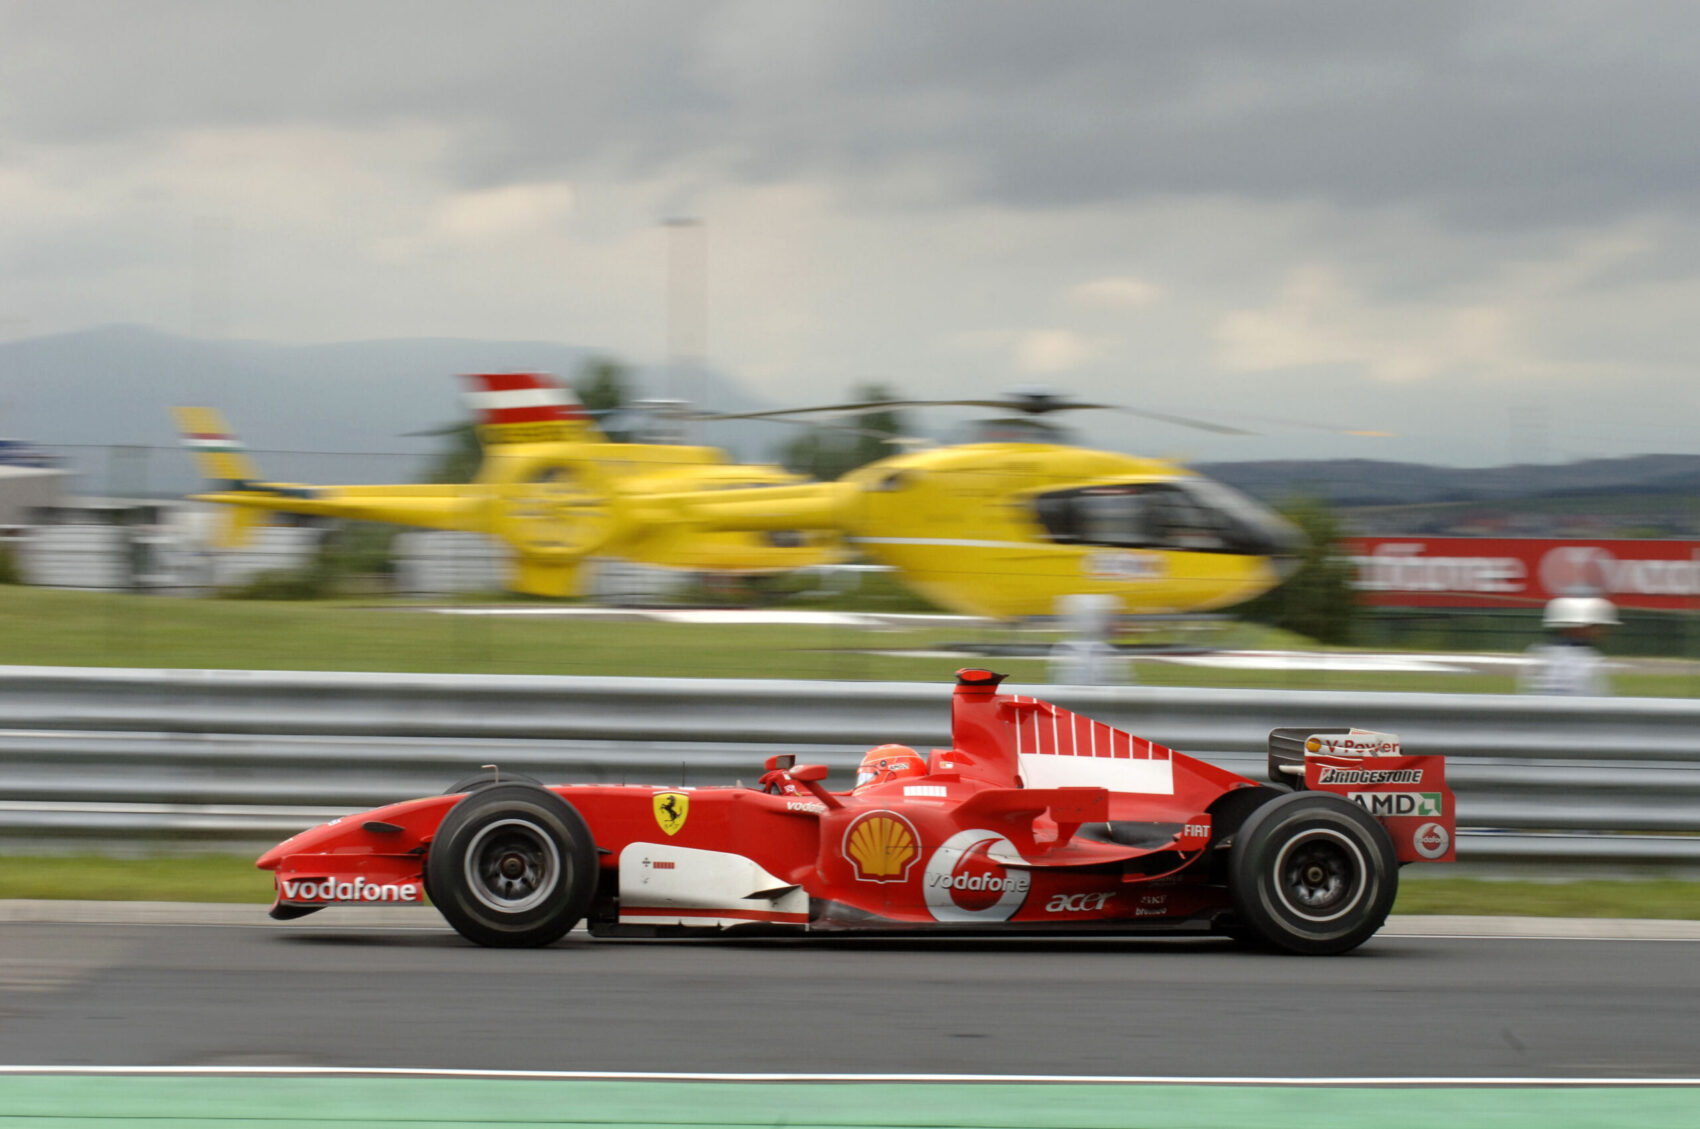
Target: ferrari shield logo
(671,808)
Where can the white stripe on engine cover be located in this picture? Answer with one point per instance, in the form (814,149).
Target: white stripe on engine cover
(1042,770)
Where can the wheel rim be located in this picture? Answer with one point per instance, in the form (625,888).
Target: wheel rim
(1320,875)
(512,865)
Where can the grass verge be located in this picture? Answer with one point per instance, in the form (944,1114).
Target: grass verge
(45,627)
(232,878)
(96,878)
(1594,897)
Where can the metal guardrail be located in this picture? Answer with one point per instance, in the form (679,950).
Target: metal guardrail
(238,758)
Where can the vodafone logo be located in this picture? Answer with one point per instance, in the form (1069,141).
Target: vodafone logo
(1431,840)
(963,884)
(1408,567)
(359,890)
(1576,568)
(1477,571)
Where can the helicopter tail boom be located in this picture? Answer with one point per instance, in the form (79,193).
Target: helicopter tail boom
(808,505)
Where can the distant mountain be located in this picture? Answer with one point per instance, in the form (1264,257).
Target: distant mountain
(1351,483)
(102,397)
(341,413)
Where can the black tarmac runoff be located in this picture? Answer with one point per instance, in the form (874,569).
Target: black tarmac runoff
(315,994)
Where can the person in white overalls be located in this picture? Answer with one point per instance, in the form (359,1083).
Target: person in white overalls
(1570,662)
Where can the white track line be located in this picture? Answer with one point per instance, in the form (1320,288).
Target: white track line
(1285,1081)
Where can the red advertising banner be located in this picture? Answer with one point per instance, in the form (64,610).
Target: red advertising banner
(1502,572)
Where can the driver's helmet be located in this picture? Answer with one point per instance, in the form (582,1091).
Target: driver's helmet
(889,762)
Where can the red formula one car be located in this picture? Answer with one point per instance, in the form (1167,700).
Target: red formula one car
(1035,820)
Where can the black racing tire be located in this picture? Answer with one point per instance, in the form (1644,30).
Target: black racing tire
(473,784)
(512,866)
(1312,873)
(484,780)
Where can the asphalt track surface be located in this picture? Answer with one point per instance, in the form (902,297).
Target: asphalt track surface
(324,995)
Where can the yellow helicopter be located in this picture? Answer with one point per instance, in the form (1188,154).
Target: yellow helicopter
(551,485)
(1006,525)
(1001,527)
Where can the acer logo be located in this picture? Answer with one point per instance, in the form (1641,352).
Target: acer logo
(1077,903)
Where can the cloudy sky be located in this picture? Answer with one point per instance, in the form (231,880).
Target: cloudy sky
(1474,224)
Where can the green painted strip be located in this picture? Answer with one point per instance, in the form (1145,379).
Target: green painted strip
(64,1102)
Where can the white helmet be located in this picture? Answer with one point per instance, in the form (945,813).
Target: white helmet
(1579,611)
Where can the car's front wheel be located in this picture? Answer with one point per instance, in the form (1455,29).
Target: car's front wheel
(1312,873)
(512,866)
(486,780)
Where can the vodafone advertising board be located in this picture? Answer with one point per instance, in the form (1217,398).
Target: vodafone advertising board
(1499,572)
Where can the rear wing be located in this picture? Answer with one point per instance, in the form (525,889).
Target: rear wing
(1289,747)
(1407,794)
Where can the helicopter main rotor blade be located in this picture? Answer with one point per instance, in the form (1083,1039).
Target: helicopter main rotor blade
(1185,421)
(861,406)
(1026,406)
(1033,405)
(848,429)
(1313,425)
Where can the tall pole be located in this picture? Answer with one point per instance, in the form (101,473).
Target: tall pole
(687,305)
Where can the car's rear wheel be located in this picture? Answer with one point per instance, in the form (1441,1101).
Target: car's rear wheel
(1312,873)
(512,866)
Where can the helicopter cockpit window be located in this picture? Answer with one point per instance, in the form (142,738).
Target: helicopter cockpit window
(1095,515)
(1132,516)
(1113,519)
(1181,524)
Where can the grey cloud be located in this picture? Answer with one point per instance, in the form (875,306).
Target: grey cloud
(80,73)
(1502,114)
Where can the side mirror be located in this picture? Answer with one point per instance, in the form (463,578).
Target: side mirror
(810,776)
(781,762)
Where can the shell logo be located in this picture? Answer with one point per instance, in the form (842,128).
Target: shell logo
(882,845)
